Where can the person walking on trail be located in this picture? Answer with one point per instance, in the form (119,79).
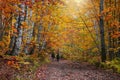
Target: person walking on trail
(58,57)
(53,56)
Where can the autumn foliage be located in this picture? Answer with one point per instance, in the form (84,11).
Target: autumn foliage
(35,28)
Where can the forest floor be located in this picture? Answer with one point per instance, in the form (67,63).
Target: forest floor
(66,70)
(62,70)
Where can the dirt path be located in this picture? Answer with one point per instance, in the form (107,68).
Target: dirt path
(65,70)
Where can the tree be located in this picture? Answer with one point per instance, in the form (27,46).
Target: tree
(102,34)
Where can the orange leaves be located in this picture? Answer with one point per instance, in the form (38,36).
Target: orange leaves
(2,44)
(15,30)
(46,18)
(7,6)
(13,62)
(24,25)
(116,35)
(9,62)
(27,3)
(108,17)
(115,24)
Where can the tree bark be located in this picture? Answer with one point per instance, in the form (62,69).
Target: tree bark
(18,40)
(102,35)
(1,26)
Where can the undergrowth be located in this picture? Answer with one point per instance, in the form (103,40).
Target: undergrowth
(21,67)
(113,65)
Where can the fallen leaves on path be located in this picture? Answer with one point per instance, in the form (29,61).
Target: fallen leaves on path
(66,70)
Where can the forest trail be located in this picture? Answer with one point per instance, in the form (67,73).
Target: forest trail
(66,70)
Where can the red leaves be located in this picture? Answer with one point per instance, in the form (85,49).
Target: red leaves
(27,3)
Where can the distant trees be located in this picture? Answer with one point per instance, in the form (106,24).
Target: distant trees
(112,21)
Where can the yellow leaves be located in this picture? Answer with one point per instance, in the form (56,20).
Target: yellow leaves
(24,23)
(90,24)
(54,20)
(35,18)
(46,18)
(22,62)
(38,17)
(45,25)
(5,42)
(95,50)
(111,49)
(13,21)
(2,45)
(66,19)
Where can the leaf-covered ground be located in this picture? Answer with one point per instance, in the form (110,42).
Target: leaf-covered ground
(65,70)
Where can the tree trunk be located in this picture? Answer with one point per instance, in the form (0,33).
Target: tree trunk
(1,26)
(110,51)
(18,40)
(102,37)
